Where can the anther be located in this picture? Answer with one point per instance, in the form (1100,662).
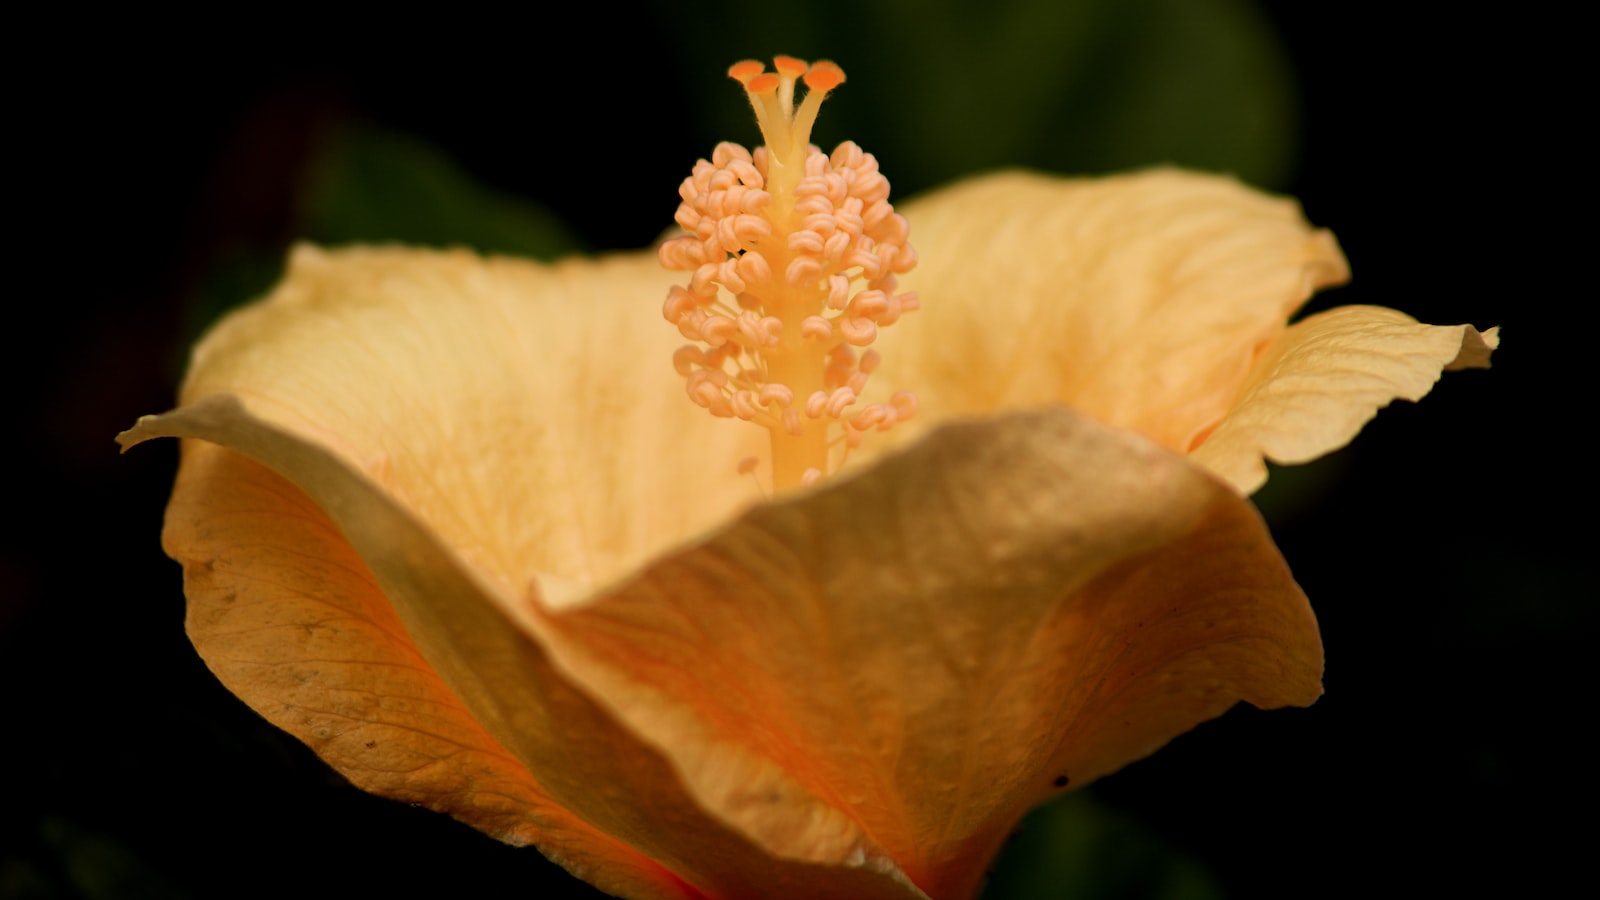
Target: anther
(806,242)
(839,400)
(728,275)
(803,272)
(870,304)
(866,260)
(777,393)
(816,328)
(838,291)
(679,303)
(868,417)
(858,331)
(822,223)
(753,267)
(728,152)
(744,405)
(835,246)
(717,330)
(685,358)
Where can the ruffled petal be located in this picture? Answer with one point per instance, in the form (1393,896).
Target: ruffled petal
(1141,300)
(859,684)
(854,689)
(341,617)
(525,412)
(290,619)
(1315,387)
(905,661)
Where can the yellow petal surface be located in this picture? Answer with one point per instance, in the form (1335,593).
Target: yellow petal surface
(342,618)
(1141,300)
(1316,386)
(510,405)
(914,656)
(883,675)
(820,697)
(287,615)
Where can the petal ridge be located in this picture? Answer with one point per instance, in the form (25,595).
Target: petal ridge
(911,741)
(583,759)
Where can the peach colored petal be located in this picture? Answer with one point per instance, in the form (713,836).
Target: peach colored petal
(291,620)
(1315,387)
(455,695)
(1141,299)
(513,406)
(912,657)
(827,695)
(830,676)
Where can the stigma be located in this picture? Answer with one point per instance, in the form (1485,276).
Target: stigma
(794,256)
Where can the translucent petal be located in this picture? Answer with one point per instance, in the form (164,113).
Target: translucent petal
(519,409)
(1326,377)
(1141,300)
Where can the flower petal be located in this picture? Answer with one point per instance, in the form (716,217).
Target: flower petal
(289,618)
(357,630)
(1004,603)
(1316,386)
(911,658)
(1140,299)
(513,406)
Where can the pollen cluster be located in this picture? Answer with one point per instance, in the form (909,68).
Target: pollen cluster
(794,255)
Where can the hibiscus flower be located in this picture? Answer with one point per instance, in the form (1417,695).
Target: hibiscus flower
(452,521)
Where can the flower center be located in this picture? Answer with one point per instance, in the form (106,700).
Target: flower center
(794,255)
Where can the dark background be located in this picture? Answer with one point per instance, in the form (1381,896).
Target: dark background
(160,178)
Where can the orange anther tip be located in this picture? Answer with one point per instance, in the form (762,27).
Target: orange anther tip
(763,83)
(789,65)
(824,76)
(744,70)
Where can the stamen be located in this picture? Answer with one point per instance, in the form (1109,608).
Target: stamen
(776,242)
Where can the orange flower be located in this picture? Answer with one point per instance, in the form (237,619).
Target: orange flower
(452,522)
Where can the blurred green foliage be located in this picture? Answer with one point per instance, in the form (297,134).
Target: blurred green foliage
(1078,848)
(940,90)
(373,186)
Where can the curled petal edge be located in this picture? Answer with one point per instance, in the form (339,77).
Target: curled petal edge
(1315,387)
(550,653)
(595,800)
